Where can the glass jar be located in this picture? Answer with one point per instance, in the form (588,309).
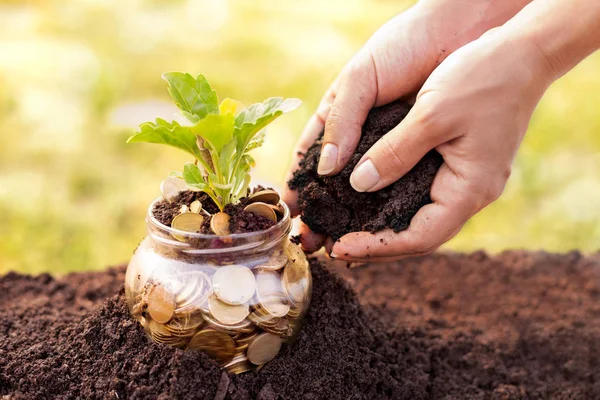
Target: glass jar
(238,298)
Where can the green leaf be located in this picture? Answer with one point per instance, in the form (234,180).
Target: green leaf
(193,96)
(252,120)
(193,177)
(256,141)
(217,130)
(169,133)
(226,158)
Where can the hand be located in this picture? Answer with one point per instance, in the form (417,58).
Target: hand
(474,110)
(393,64)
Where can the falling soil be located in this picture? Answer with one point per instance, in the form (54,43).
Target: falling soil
(331,206)
(519,325)
(240,221)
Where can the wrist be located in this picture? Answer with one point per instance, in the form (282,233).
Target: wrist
(559,34)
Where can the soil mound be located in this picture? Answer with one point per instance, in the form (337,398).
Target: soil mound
(331,206)
(519,325)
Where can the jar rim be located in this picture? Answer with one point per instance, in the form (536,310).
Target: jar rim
(285,220)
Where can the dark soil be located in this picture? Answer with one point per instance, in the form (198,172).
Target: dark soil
(240,222)
(516,326)
(331,206)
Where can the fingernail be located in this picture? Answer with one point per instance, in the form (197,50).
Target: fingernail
(364,177)
(328,160)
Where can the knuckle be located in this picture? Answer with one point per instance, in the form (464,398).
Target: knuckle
(389,150)
(426,115)
(489,190)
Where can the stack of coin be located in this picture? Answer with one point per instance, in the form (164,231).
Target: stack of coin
(239,315)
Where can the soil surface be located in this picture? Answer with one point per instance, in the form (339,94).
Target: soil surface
(519,325)
(331,206)
(240,221)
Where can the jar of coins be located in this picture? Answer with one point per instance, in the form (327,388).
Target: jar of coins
(237,297)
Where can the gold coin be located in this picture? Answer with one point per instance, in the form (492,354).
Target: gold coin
(183,209)
(186,222)
(281,328)
(246,339)
(234,284)
(275,305)
(264,196)
(161,304)
(267,282)
(263,348)
(278,208)
(238,365)
(170,188)
(216,344)
(194,296)
(296,274)
(275,262)
(196,206)
(231,329)
(219,224)
(262,209)
(227,314)
(186,325)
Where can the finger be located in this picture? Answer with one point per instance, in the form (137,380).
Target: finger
(356,95)
(310,240)
(311,132)
(397,152)
(454,202)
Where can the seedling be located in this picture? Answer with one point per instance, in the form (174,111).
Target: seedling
(219,136)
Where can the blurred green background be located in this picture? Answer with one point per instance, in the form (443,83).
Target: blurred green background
(76,77)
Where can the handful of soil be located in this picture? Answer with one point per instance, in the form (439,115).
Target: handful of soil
(330,205)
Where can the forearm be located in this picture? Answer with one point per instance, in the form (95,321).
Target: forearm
(560,33)
(458,22)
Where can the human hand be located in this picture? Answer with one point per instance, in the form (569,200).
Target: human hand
(393,64)
(474,110)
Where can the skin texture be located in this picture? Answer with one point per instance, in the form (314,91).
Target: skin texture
(479,68)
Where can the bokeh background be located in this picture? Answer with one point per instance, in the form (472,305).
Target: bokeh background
(77,77)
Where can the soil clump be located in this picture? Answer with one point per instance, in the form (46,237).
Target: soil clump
(519,325)
(329,205)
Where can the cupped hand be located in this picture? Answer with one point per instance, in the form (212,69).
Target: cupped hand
(393,64)
(474,110)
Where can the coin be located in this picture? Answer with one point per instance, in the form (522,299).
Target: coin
(281,328)
(278,208)
(161,304)
(186,222)
(170,188)
(263,348)
(275,262)
(196,206)
(194,296)
(234,284)
(261,209)
(275,305)
(243,326)
(219,224)
(296,274)
(238,365)
(216,344)
(186,325)
(227,314)
(267,282)
(183,209)
(264,196)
